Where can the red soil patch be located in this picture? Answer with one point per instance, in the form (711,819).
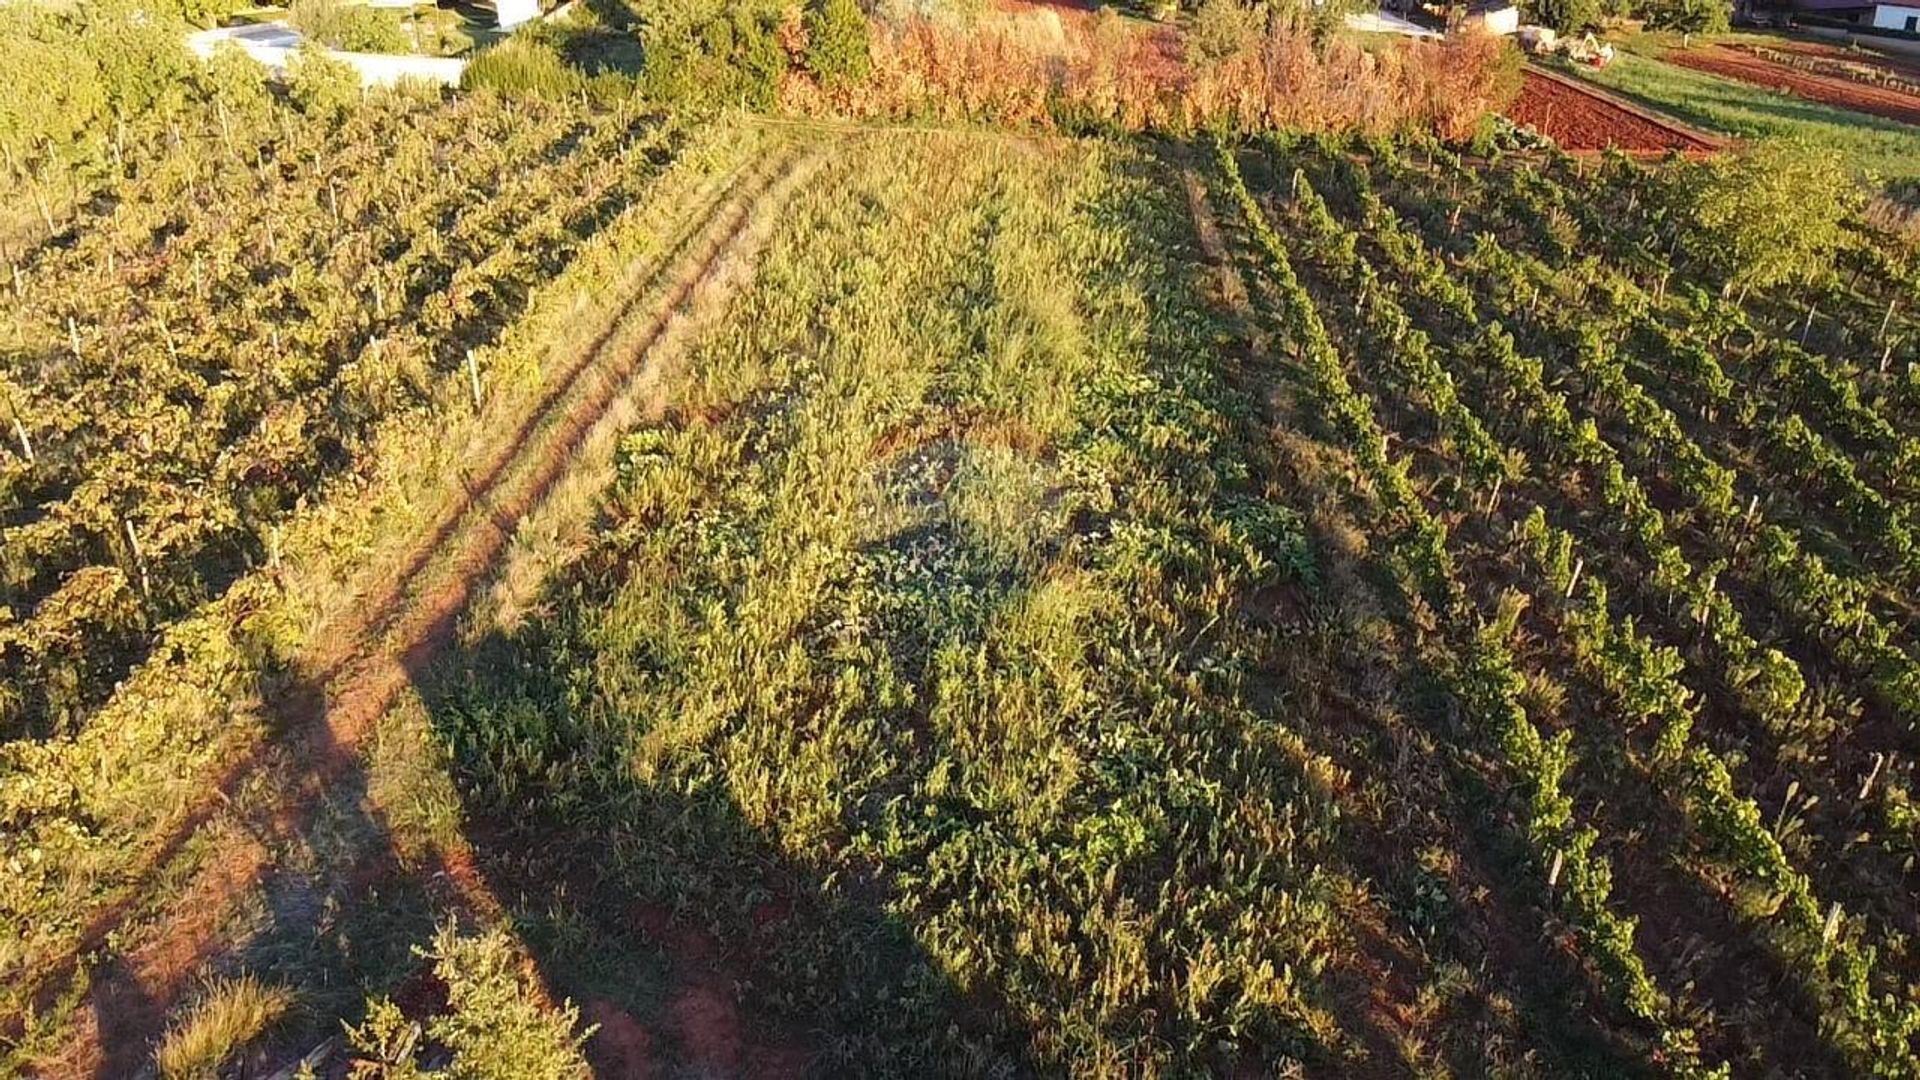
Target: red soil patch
(621,1046)
(132,995)
(1825,89)
(1578,120)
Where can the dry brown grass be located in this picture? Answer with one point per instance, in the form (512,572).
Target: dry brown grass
(229,1015)
(1105,71)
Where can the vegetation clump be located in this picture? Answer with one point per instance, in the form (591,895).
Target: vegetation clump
(1768,215)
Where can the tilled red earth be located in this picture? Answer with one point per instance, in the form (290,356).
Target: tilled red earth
(1582,121)
(1825,89)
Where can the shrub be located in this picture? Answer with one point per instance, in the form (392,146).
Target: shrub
(321,86)
(704,52)
(497,1022)
(234,79)
(837,52)
(523,66)
(51,94)
(143,58)
(1688,16)
(1223,29)
(1566,16)
(353,27)
(1772,214)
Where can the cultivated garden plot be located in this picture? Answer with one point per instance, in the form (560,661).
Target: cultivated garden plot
(529,586)
(1658,554)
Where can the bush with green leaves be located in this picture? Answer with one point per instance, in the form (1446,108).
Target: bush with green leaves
(51,93)
(1771,214)
(1223,28)
(323,87)
(1688,16)
(496,1023)
(353,27)
(143,58)
(710,53)
(1566,16)
(837,45)
(236,81)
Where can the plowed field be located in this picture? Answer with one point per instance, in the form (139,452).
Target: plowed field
(1582,121)
(1826,89)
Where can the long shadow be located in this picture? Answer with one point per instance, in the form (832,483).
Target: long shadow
(678,926)
(319,712)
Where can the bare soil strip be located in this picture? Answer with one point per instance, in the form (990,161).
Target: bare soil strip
(356,668)
(1581,118)
(1843,93)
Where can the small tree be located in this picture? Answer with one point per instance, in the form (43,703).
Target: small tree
(1690,17)
(1567,16)
(1770,215)
(837,42)
(1222,29)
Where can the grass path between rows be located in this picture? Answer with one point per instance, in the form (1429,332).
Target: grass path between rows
(410,602)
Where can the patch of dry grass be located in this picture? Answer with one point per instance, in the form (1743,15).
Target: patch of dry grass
(232,1013)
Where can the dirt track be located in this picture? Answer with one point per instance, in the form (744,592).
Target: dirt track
(1583,121)
(1825,89)
(356,669)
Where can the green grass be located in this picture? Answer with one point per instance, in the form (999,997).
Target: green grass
(1886,149)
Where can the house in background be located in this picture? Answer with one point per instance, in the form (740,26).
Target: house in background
(1493,16)
(1897,17)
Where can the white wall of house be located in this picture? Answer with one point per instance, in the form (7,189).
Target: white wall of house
(273,44)
(1895,17)
(512,13)
(1504,20)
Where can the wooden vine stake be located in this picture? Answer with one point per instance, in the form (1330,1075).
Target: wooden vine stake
(20,430)
(26,444)
(1574,580)
(473,378)
(1866,786)
(1887,319)
(73,337)
(139,559)
(46,210)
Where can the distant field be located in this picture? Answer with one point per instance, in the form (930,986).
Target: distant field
(1888,149)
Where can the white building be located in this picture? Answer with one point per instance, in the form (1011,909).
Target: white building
(1897,17)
